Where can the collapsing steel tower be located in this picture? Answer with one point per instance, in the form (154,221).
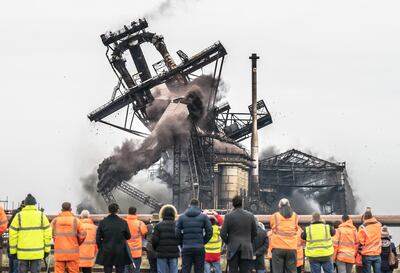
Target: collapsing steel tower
(308,181)
(212,148)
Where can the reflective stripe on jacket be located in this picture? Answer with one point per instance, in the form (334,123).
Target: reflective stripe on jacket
(284,231)
(369,235)
(68,234)
(88,249)
(30,234)
(345,243)
(300,248)
(215,243)
(319,241)
(137,229)
(3,221)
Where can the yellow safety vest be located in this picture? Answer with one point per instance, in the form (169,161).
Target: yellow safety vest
(215,243)
(30,234)
(319,241)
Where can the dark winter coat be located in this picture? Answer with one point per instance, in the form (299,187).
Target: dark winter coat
(260,246)
(385,255)
(111,236)
(238,232)
(193,229)
(164,239)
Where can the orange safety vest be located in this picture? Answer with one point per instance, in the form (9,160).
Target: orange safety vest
(345,243)
(269,252)
(284,231)
(3,221)
(68,234)
(300,248)
(137,229)
(88,249)
(369,235)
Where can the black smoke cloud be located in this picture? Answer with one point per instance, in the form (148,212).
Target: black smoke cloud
(132,156)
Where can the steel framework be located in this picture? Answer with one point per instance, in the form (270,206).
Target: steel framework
(295,173)
(132,95)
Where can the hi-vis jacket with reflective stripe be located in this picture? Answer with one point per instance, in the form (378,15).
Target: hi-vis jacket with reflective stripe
(369,234)
(318,241)
(68,234)
(137,229)
(346,242)
(3,221)
(300,248)
(284,231)
(215,243)
(88,249)
(30,234)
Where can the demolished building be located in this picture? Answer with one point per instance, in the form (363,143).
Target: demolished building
(192,136)
(310,182)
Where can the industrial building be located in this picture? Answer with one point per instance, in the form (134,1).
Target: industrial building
(193,137)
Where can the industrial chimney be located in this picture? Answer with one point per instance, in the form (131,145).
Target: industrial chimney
(254,185)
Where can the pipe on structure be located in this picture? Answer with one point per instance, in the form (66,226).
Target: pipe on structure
(254,183)
(385,219)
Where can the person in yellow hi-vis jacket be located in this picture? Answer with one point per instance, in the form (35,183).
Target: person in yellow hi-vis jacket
(30,237)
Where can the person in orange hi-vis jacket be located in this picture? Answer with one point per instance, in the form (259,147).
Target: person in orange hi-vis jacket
(300,251)
(68,234)
(88,249)
(284,226)
(345,244)
(369,234)
(3,221)
(137,229)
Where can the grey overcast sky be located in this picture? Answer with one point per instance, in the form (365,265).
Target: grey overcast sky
(329,72)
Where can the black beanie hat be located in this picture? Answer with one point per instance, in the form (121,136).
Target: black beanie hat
(30,200)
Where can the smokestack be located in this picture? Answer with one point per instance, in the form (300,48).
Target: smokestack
(254,185)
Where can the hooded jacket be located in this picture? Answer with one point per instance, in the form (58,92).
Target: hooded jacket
(193,229)
(346,242)
(164,239)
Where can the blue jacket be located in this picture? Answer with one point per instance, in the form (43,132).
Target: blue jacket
(193,229)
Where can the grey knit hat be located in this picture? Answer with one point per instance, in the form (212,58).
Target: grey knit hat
(30,200)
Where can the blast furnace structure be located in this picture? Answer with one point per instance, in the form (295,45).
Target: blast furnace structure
(206,162)
(194,137)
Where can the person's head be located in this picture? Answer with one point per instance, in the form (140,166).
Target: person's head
(385,233)
(237,201)
(194,203)
(113,208)
(168,212)
(29,200)
(367,215)
(22,204)
(316,217)
(345,218)
(132,210)
(212,219)
(85,214)
(336,224)
(284,202)
(66,206)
